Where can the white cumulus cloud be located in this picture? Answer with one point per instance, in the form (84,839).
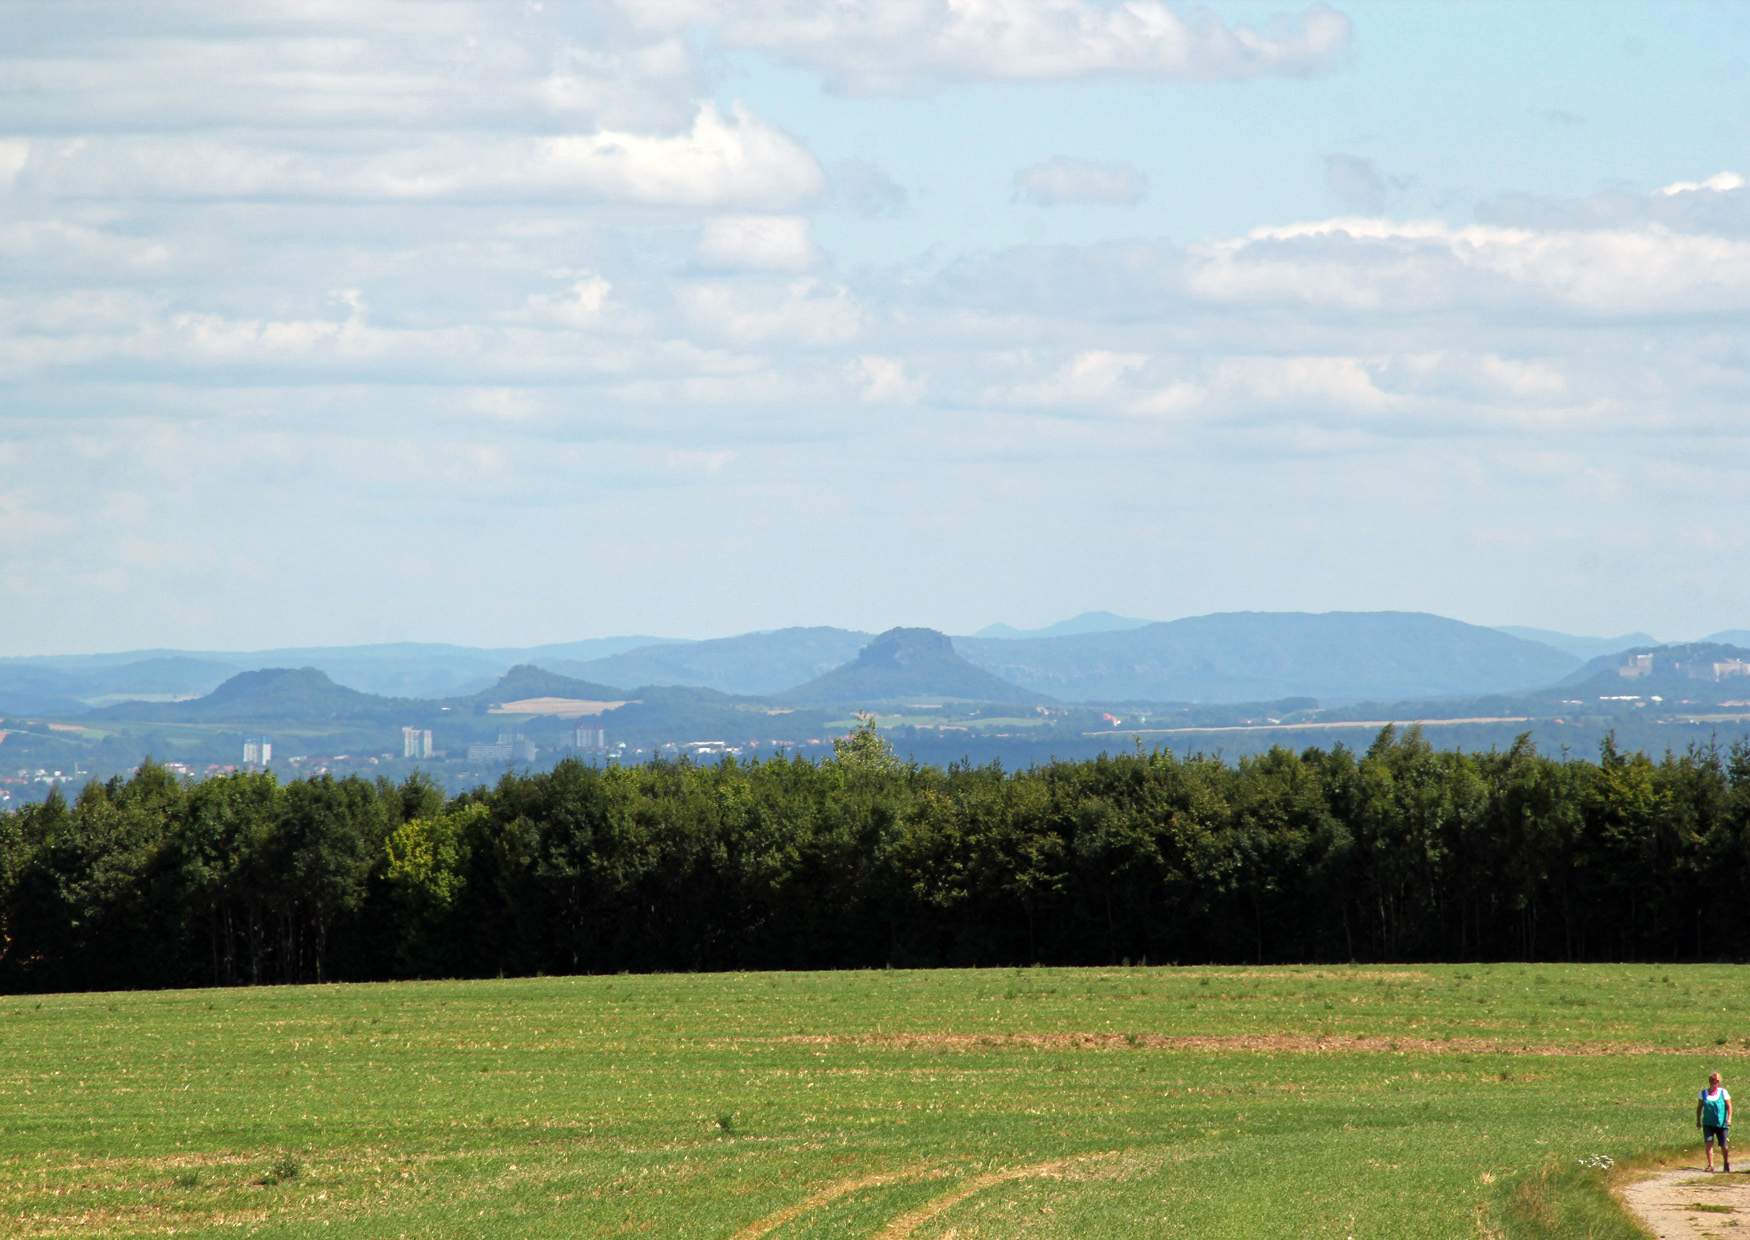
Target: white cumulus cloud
(718,161)
(884,46)
(1719,183)
(757,243)
(804,312)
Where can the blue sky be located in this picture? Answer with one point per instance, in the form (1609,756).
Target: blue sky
(516,322)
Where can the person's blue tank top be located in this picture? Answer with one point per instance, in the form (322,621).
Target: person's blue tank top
(1713,1108)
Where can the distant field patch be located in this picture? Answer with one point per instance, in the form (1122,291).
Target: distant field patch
(111,699)
(555,707)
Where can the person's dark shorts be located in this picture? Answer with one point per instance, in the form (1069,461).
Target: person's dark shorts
(1710,1134)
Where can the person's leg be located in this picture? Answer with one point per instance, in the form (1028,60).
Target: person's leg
(1725,1154)
(1707,1145)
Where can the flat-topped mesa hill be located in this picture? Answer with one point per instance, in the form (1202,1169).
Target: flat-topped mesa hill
(267,694)
(906,664)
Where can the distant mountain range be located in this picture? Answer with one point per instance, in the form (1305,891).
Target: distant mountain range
(54,683)
(753,663)
(1582,647)
(1234,679)
(1261,656)
(1087,622)
(1097,657)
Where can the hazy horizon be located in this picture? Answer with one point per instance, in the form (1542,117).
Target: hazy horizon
(513,324)
(683,638)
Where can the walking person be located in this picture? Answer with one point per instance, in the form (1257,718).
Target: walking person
(1713,1115)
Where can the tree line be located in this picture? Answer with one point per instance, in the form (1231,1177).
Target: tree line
(1402,852)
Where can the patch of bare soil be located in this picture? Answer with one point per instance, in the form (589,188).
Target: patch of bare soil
(1687,1203)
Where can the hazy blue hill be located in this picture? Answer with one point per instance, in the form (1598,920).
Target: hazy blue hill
(266,695)
(82,663)
(178,674)
(1087,622)
(1259,656)
(587,649)
(1579,646)
(395,669)
(1729,637)
(527,681)
(906,663)
(753,663)
(32,689)
(1678,672)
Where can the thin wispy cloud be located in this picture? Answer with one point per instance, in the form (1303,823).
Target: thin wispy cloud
(1061,181)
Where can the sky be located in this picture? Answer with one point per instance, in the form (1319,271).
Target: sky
(332,321)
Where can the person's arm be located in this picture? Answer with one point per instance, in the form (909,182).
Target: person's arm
(1728,1110)
(1698,1111)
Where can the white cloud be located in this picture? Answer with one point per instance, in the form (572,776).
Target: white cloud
(885,381)
(511,405)
(579,307)
(440,63)
(1719,183)
(697,461)
(1337,400)
(1087,380)
(806,312)
(1361,264)
(736,161)
(1064,180)
(779,243)
(884,46)
(13,153)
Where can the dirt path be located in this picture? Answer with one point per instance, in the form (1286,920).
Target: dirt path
(1688,1203)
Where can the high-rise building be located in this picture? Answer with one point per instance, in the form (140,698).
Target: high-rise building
(511,747)
(589,736)
(257,751)
(416,742)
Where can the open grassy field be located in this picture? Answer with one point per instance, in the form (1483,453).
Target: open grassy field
(1435,1101)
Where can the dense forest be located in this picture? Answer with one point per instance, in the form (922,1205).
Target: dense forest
(1403,852)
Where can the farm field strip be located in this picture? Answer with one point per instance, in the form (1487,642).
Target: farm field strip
(1203,1102)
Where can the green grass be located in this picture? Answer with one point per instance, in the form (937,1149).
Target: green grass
(1395,1102)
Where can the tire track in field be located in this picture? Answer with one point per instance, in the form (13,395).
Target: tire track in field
(902,1227)
(830,1194)
(905,1224)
